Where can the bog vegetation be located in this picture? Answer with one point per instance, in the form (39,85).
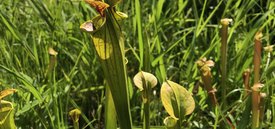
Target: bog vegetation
(137,64)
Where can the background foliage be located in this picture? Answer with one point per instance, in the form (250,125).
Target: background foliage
(174,35)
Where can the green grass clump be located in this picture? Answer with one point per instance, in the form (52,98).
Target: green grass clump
(162,37)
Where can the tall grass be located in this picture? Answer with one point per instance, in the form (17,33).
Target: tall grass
(162,37)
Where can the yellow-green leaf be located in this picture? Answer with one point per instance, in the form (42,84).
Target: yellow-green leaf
(168,99)
(100,36)
(6,92)
(6,115)
(176,100)
(142,78)
(103,46)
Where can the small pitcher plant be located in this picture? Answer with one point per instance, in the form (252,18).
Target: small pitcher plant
(145,82)
(178,102)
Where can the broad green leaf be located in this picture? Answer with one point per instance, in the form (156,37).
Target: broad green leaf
(141,79)
(176,100)
(110,117)
(6,115)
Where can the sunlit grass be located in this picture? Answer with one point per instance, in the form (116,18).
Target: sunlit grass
(162,37)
